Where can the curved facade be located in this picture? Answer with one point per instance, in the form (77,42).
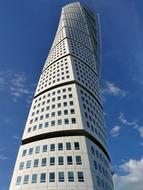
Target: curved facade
(64,145)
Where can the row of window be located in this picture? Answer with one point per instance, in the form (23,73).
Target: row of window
(65,121)
(52,177)
(52,148)
(52,161)
(52,114)
(99,156)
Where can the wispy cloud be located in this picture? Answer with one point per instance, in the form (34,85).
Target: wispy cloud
(134,124)
(15,84)
(2,155)
(132,179)
(112,89)
(115,131)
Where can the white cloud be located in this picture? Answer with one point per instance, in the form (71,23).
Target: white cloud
(3,157)
(112,89)
(15,84)
(132,178)
(134,124)
(115,131)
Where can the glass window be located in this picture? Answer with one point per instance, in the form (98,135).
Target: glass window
(59,113)
(65,112)
(68,146)
(76,146)
(71,103)
(52,161)
(78,160)
(34,178)
(44,162)
(34,127)
(29,129)
(53,114)
(92,150)
(70,176)
(60,146)
(51,176)
(52,147)
(95,164)
(69,160)
(36,162)
(24,152)
(66,121)
(98,181)
(28,164)
(73,120)
(26,179)
(30,151)
(80,176)
(44,148)
(59,122)
(65,104)
(60,160)
(37,149)
(21,166)
(53,123)
(18,180)
(43,178)
(46,124)
(40,126)
(72,111)
(61,176)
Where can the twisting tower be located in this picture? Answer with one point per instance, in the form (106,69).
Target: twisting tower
(64,145)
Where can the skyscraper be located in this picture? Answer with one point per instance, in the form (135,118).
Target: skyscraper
(64,145)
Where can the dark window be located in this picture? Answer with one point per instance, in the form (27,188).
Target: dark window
(69,160)
(61,176)
(68,146)
(70,176)
(51,176)
(60,160)
(76,146)
(78,160)
(60,146)
(80,176)
(43,178)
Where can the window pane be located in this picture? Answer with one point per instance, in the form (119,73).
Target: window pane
(76,146)
(78,160)
(26,179)
(18,180)
(36,161)
(43,177)
(69,160)
(60,146)
(52,161)
(52,177)
(28,164)
(60,160)
(68,146)
(70,176)
(34,178)
(52,147)
(30,151)
(37,150)
(80,176)
(44,148)
(44,161)
(21,166)
(61,176)
(24,152)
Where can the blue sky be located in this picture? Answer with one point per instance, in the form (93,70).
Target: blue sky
(27,29)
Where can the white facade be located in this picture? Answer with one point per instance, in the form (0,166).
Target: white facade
(64,145)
